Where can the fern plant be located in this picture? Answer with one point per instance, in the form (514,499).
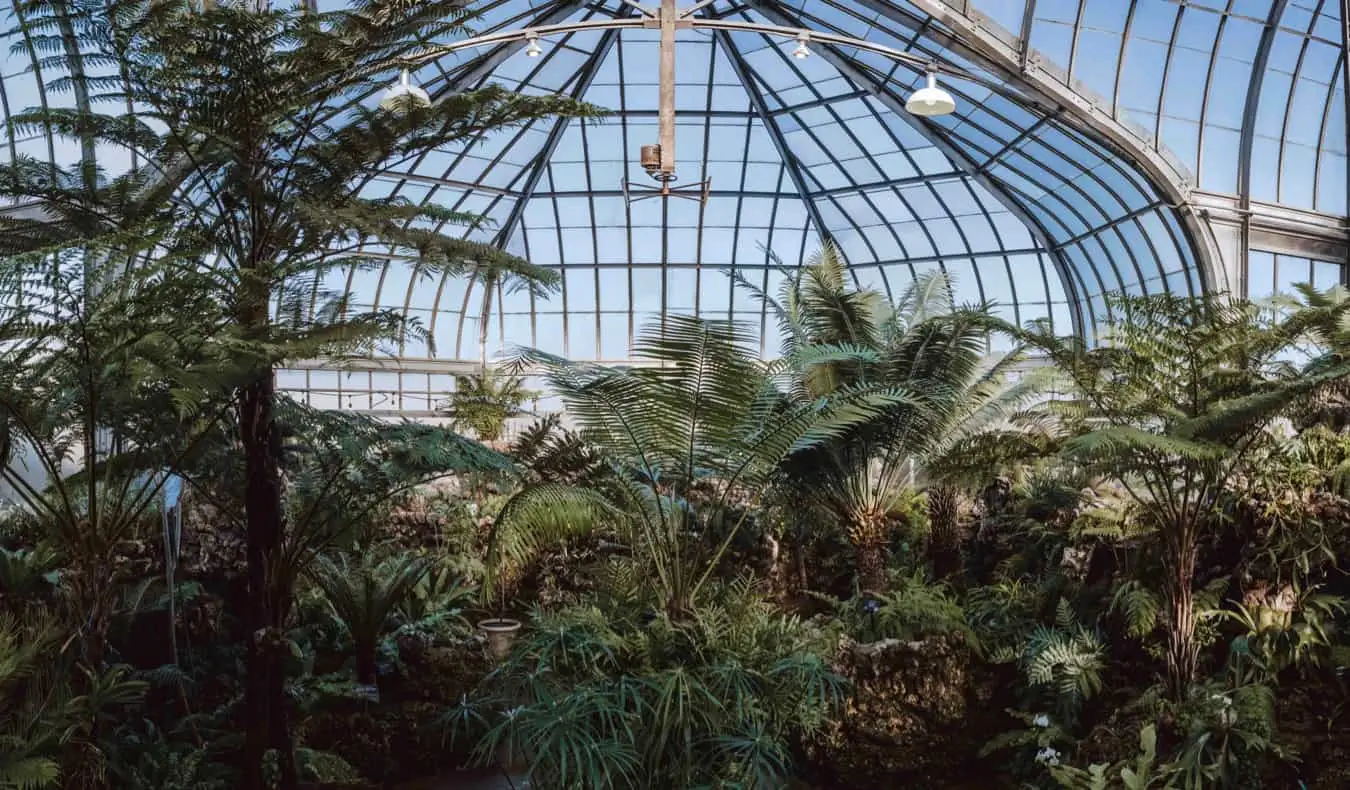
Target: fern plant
(1171,406)
(1065,660)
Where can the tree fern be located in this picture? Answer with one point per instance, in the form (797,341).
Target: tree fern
(1171,405)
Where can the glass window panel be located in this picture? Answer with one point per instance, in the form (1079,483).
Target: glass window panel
(581,336)
(1260,274)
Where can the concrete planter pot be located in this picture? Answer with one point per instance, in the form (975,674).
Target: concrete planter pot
(501,634)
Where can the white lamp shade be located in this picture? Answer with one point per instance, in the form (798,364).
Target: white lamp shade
(403,94)
(931,100)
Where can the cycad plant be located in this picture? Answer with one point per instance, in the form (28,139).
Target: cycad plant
(256,121)
(841,341)
(693,434)
(1170,404)
(363,594)
(484,402)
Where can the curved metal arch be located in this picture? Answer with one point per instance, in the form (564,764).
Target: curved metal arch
(887,96)
(972,37)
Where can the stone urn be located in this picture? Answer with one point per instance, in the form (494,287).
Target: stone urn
(501,634)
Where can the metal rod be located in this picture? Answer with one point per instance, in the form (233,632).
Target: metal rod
(667,100)
(697,23)
(694,9)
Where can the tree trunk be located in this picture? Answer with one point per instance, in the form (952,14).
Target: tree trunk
(365,663)
(869,539)
(1183,654)
(268,593)
(945,523)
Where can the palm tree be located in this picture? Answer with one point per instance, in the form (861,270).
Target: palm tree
(841,341)
(1171,406)
(693,434)
(253,121)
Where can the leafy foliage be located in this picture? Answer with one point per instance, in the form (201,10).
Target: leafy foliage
(712,699)
(364,594)
(1171,406)
(483,403)
(691,435)
(839,342)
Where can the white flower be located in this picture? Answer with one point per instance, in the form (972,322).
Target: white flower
(1041,720)
(1048,755)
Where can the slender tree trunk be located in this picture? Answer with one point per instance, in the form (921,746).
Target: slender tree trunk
(944,518)
(265,690)
(1183,654)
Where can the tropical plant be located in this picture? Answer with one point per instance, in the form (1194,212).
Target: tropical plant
(1066,660)
(106,378)
(363,595)
(25,574)
(1143,774)
(483,403)
(1296,629)
(548,452)
(252,121)
(1226,730)
(1171,404)
(29,732)
(693,435)
(713,699)
(840,341)
(912,610)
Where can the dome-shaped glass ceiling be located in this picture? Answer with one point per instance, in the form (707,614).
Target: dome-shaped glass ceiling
(1020,206)
(1098,145)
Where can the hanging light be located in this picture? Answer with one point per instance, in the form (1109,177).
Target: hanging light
(403,94)
(931,100)
(802,52)
(533,49)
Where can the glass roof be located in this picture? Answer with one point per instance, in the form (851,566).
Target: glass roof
(1197,74)
(1026,204)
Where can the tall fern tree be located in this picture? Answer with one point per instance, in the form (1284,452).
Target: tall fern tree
(1171,404)
(254,117)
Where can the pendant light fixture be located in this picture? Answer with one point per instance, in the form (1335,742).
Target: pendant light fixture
(403,94)
(802,52)
(930,100)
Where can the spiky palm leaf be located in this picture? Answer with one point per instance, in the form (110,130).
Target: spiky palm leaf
(841,341)
(700,426)
(363,594)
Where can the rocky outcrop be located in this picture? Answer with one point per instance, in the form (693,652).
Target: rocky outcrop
(917,717)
